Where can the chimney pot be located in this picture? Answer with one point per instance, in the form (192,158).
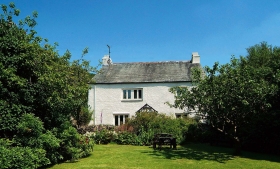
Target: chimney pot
(106,60)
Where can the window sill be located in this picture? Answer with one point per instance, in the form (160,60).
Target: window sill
(131,100)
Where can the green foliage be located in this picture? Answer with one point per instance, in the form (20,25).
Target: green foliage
(84,116)
(31,133)
(21,157)
(51,144)
(35,79)
(198,133)
(103,136)
(39,92)
(127,138)
(86,145)
(145,136)
(143,120)
(146,124)
(235,97)
(29,129)
(73,145)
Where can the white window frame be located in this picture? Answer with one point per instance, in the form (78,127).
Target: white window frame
(128,94)
(119,116)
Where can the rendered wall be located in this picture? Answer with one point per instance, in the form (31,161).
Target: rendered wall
(106,100)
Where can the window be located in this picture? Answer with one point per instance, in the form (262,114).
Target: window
(178,116)
(120,119)
(124,94)
(181,115)
(132,94)
(135,94)
(128,94)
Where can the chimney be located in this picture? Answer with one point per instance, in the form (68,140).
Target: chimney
(106,60)
(195,58)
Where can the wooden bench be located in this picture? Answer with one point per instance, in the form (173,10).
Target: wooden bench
(164,139)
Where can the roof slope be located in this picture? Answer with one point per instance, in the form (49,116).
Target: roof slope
(146,72)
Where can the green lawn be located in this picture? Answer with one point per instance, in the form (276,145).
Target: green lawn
(189,156)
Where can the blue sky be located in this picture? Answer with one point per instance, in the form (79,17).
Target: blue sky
(155,30)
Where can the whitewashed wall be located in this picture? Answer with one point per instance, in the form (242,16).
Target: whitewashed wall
(106,99)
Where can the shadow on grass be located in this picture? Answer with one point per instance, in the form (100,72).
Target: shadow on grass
(260,156)
(193,152)
(207,152)
(64,162)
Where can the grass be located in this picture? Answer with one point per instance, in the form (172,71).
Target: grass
(115,156)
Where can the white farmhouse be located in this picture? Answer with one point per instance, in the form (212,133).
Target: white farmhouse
(121,89)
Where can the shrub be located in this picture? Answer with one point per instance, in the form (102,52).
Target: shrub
(145,136)
(54,146)
(127,138)
(21,157)
(103,136)
(146,124)
(31,133)
(51,144)
(86,146)
(198,132)
(83,116)
(73,145)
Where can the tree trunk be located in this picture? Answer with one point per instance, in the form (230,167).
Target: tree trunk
(237,146)
(237,143)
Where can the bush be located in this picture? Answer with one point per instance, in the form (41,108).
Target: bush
(146,124)
(73,145)
(145,136)
(127,138)
(198,132)
(103,136)
(21,157)
(60,144)
(83,116)
(51,144)
(31,133)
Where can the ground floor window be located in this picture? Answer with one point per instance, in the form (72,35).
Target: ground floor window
(181,115)
(120,119)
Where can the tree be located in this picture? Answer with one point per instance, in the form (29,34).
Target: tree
(35,79)
(265,136)
(234,96)
(80,77)
(38,85)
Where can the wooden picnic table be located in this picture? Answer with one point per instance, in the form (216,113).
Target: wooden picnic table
(164,139)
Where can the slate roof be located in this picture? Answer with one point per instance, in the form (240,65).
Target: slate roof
(145,72)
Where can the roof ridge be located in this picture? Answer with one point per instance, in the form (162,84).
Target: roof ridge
(182,61)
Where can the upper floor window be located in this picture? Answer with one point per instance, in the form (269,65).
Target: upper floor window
(132,94)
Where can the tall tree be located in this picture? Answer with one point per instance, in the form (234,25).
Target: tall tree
(39,92)
(233,96)
(34,78)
